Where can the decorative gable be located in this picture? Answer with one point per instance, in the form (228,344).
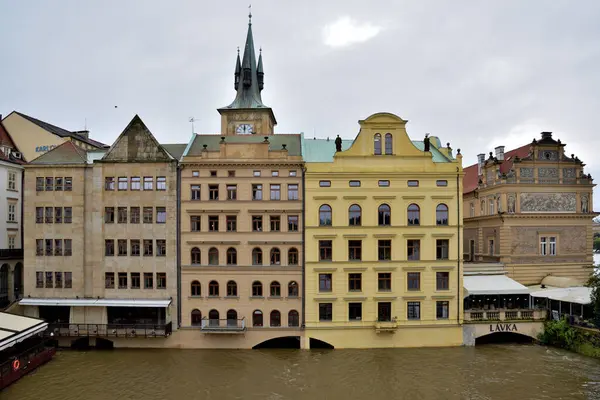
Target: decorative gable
(136,144)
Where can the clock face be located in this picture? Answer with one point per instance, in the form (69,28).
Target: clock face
(244,129)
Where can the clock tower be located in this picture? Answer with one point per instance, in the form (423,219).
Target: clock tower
(247,115)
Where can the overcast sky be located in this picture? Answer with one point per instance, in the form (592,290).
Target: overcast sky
(474,74)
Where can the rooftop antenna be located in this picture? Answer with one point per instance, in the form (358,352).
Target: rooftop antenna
(192,119)
(314,133)
(250,14)
(85,124)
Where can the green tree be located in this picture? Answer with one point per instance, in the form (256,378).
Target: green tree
(597,243)
(594,284)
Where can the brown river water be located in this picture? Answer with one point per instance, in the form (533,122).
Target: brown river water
(486,372)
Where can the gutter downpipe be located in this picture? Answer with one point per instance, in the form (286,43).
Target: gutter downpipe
(458,222)
(178,239)
(303,246)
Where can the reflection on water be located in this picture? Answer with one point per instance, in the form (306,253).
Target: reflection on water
(488,372)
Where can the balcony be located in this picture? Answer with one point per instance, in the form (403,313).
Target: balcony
(110,330)
(386,326)
(474,316)
(227,326)
(11,254)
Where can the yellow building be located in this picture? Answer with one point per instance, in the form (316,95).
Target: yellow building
(382,239)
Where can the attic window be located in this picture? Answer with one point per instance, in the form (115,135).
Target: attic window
(293,173)
(231,174)
(354,183)
(195,173)
(213,173)
(384,183)
(256,173)
(325,183)
(413,183)
(274,173)
(441,183)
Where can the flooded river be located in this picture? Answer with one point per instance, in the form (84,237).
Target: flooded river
(486,372)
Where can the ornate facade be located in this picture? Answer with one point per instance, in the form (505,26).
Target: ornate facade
(530,209)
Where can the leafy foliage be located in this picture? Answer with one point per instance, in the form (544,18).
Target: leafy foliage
(594,284)
(561,334)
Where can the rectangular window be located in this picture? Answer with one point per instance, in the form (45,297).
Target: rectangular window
(148,280)
(134,215)
(275,192)
(12,212)
(231,174)
(12,181)
(384,311)
(68,250)
(122,276)
(68,280)
(68,215)
(256,173)
(292,192)
(354,282)
(161,247)
(413,280)
(58,217)
(39,215)
(49,215)
(11,241)
(231,223)
(195,174)
(325,281)
(109,280)
(213,192)
(195,192)
(122,183)
(195,223)
(492,203)
(292,223)
(491,247)
(354,250)
(161,280)
(274,173)
(122,247)
(148,249)
(414,310)
(58,184)
(161,183)
(354,311)
(49,184)
(384,183)
(472,210)
(543,246)
(148,183)
(413,249)
(441,183)
(384,281)
(109,247)
(231,192)
(39,184)
(49,247)
(442,281)
(58,251)
(213,223)
(354,183)
(384,250)
(122,215)
(161,215)
(136,183)
(442,309)
(325,183)
(109,215)
(39,279)
(135,280)
(68,188)
(49,279)
(147,215)
(413,183)
(442,247)
(135,247)
(325,311)
(293,173)
(257,223)
(325,250)
(275,221)
(257,192)
(213,173)
(109,183)
(552,248)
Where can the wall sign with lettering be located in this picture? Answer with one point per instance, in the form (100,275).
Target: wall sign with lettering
(42,149)
(503,328)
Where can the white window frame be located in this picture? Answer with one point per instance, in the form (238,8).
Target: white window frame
(12,214)
(491,246)
(12,240)
(12,180)
(472,211)
(492,205)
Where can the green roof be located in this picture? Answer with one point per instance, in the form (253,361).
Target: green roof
(293,143)
(438,156)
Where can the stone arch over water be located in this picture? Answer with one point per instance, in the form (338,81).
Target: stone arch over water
(282,342)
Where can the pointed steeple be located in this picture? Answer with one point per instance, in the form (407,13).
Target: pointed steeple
(259,72)
(238,71)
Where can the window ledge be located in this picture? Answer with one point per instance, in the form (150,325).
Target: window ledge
(257,297)
(442,268)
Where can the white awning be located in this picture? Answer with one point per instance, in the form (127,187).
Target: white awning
(492,284)
(579,294)
(96,302)
(16,328)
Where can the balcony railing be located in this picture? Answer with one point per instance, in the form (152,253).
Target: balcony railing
(504,315)
(110,330)
(386,326)
(8,254)
(223,325)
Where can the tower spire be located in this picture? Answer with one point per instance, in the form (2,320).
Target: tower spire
(238,70)
(259,71)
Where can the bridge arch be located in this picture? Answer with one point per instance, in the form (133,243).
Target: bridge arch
(475,333)
(504,337)
(315,343)
(281,342)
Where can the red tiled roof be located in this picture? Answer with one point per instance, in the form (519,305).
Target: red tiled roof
(5,139)
(471,179)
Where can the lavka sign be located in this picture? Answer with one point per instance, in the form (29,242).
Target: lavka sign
(503,328)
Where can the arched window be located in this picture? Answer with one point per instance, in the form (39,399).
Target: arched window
(414,215)
(275,256)
(195,255)
(257,256)
(231,256)
(213,318)
(293,318)
(293,289)
(196,317)
(275,289)
(384,215)
(257,318)
(377,144)
(232,318)
(293,256)
(213,256)
(388,144)
(231,289)
(213,288)
(275,318)
(441,214)
(472,211)
(257,289)
(354,214)
(325,215)
(196,288)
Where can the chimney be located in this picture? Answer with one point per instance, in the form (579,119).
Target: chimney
(85,134)
(546,135)
(500,153)
(480,161)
